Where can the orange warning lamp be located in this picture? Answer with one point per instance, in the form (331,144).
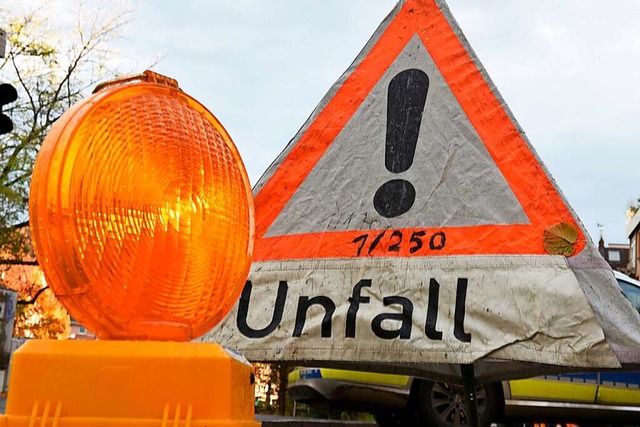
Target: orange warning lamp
(142,220)
(141,212)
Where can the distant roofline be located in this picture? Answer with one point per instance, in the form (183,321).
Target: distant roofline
(617,246)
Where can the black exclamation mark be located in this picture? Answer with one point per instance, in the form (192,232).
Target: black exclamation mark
(406,98)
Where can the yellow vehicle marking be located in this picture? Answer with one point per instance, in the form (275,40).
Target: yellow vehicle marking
(610,395)
(293,376)
(366,377)
(553,390)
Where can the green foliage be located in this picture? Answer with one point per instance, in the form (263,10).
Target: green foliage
(633,207)
(328,413)
(52,67)
(53,62)
(270,388)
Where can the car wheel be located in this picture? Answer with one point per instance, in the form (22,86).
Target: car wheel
(443,404)
(393,418)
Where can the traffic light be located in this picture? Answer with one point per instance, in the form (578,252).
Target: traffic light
(8,94)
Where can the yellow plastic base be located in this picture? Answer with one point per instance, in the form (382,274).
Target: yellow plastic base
(128,384)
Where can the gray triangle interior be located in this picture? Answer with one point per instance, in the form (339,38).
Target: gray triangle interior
(455,179)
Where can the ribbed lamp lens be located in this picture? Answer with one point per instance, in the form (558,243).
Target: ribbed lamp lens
(142,214)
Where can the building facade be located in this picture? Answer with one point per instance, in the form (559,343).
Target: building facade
(616,254)
(633,231)
(79,332)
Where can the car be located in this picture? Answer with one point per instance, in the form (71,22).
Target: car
(397,400)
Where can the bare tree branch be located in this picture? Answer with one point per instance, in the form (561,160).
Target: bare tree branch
(17,262)
(34,299)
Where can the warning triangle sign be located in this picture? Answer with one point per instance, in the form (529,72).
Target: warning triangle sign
(409,225)
(412,153)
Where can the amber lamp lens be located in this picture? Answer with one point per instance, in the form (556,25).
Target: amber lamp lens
(142,215)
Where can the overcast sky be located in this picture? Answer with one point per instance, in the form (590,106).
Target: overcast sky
(568,70)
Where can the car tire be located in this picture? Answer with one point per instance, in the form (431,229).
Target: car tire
(443,404)
(393,418)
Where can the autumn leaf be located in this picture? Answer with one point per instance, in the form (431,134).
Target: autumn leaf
(560,239)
